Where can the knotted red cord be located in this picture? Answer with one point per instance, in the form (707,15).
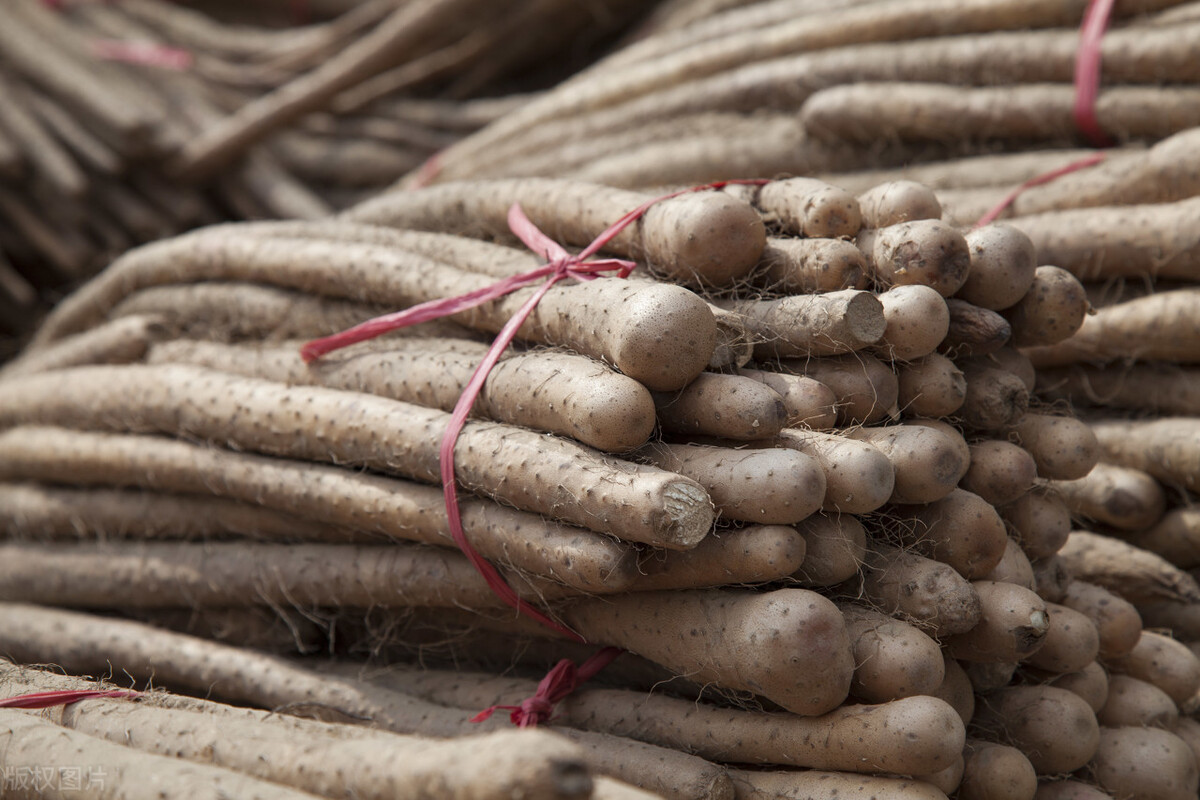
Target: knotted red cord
(1045,177)
(1087,71)
(559,682)
(61,698)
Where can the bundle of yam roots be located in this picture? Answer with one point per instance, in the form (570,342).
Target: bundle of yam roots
(790,464)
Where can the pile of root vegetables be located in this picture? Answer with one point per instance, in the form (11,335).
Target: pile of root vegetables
(791,465)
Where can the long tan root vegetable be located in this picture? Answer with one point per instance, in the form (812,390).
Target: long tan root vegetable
(1168,448)
(835,546)
(546,390)
(996,772)
(754,554)
(1000,472)
(1054,728)
(1124,498)
(321,424)
(809,208)
(1014,567)
(1090,683)
(1157,327)
(867,389)
(927,252)
(727,406)
(1003,260)
(1132,702)
(932,386)
(709,238)
(1144,764)
(1063,447)
(858,476)
(892,659)
(1164,389)
(974,330)
(811,265)
(1051,311)
(811,324)
(120,341)
(927,593)
(1176,537)
(809,403)
(340,497)
(1163,662)
(1126,570)
(1071,644)
(705,634)
(811,784)
(893,202)
(1040,521)
(928,463)
(995,398)
(918,320)
(642,341)
(960,529)
(1117,621)
(1013,625)
(777,485)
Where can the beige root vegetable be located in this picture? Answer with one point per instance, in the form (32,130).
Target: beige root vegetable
(797,266)
(709,238)
(1000,472)
(812,784)
(1016,362)
(867,389)
(927,593)
(1163,662)
(974,331)
(1161,388)
(927,252)
(1013,625)
(1071,644)
(1040,520)
(546,390)
(1067,789)
(120,341)
(1188,729)
(946,779)
(1003,264)
(1167,448)
(810,208)
(1144,764)
(1133,702)
(892,659)
(928,463)
(1054,728)
(1117,621)
(835,546)
(1053,310)
(770,486)
(996,772)
(1051,578)
(932,386)
(956,689)
(810,324)
(754,554)
(328,494)
(1124,498)
(1176,537)
(995,398)
(1014,567)
(1063,447)
(858,476)
(728,406)
(1090,683)
(988,676)
(809,403)
(918,320)
(961,529)
(321,424)
(803,660)
(893,202)
(1132,573)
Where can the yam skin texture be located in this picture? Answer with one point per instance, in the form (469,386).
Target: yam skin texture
(1054,728)
(851,738)
(1120,497)
(1188,729)
(988,676)
(810,208)
(1003,264)
(1000,472)
(803,654)
(1167,448)
(1039,520)
(892,659)
(926,593)
(996,772)
(1132,573)
(707,238)
(1071,644)
(835,546)
(1064,448)
(1012,626)
(31,742)
(815,784)
(1176,537)
(1090,683)
(858,476)
(1117,620)
(1053,310)
(931,386)
(1066,789)
(1016,362)
(1051,577)
(961,530)
(928,463)
(893,202)
(808,402)
(799,266)
(1014,567)
(918,320)
(1163,662)
(947,779)
(545,390)
(956,689)
(771,486)
(927,252)
(392,508)
(728,406)
(750,555)
(1135,703)
(1162,389)
(319,424)
(1144,764)
(118,341)
(973,331)
(867,390)
(804,325)
(995,398)
(663,337)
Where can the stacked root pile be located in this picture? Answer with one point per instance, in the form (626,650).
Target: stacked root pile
(121,123)
(790,465)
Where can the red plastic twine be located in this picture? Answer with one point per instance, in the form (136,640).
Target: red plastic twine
(1087,71)
(559,682)
(149,54)
(1045,177)
(61,698)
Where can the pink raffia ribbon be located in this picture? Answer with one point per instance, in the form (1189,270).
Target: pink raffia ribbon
(149,54)
(1087,71)
(61,698)
(559,682)
(1046,177)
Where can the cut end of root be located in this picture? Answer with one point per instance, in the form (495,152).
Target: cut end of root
(688,515)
